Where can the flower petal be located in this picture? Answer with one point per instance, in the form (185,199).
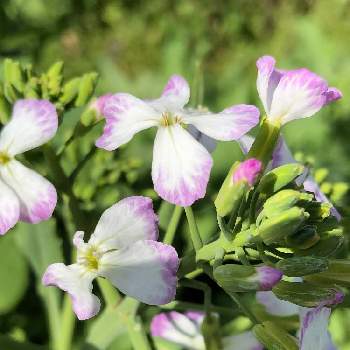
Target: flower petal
(146,271)
(299,94)
(130,220)
(33,123)
(245,143)
(77,282)
(314,330)
(243,341)
(175,96)
(208,142)
(181,166)
(333,94)
(268,79)
(230,124)
(9,208)
(125,116)
(275,306)
(37,195)
(179,329)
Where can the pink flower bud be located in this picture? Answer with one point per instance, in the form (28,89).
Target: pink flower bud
(99,104)
(268,277)
(247,171)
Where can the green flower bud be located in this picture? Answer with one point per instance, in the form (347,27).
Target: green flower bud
(304,238)
(338,273)
(307,294)
(86,88)
(284,200)
(13,75)
(4,109)
(274,337)
(279,177)
(211,332)
(230,194)
(70,91)
(302,266)
(54,78)
(274,229)
(241,278)
(319,211)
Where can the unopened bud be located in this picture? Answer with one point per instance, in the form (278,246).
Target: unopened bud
(54,78)
(307,294)
(86,88)
(319,211)
(279,177)
(70,91)
(274,337)
(241,278)
(284,200)
(274,229)
(302,266)
(304,238)
(248,171)
(211,332)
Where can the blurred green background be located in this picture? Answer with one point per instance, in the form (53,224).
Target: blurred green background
(136,45)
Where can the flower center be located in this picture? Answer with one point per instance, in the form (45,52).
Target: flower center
(90,259)
(169,119)
(4,158)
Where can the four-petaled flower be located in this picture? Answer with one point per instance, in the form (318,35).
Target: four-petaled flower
(185,330)
(291,94)
(24,194)
(181,165)
(124,250)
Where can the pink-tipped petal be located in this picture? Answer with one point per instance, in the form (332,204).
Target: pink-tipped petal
(179,329)
(314,329)
(230,124)
(78,284)
(267,80)
(128,221)
(99,104)
(181,166)
(146,271)
(245,143)
(37,196)
(9,208)
(125,116)
(175,96)
(248,171)
(299,94)
(33,123)
(333,94)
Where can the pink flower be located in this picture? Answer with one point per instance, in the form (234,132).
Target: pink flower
(124,250)
(24,194)
(181,165)
(294,94)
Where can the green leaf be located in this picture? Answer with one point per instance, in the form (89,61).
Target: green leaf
(13,274)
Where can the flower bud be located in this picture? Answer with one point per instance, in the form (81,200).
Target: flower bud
(302,266)
(241,177)
(279,177)
(338,272)
(70,91)
(284,200)
(304,238)
(274,337)
(274,229)
(319,210)
(307,294)
(53,79)
(241,278)
(86,88)
(211,332)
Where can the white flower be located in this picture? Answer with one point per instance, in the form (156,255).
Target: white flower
(24,194)
(181,165)
(124,250)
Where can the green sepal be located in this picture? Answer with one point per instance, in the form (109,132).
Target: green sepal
(70,91)
(279,177)
(304,238)
(304,293)
(273,337)
(302,266)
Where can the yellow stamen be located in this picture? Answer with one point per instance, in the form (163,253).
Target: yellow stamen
(4,158)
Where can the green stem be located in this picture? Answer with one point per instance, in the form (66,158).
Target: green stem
(174,222)
(200,286)
(67,325)
(184,306)
(241,304)
(195,236)
(54,318)
(224,228)
(110,294)
(137,334)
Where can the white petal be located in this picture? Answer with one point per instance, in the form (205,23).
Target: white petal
(175,96)
(33,123)
(243,341)
(146,271)
(245,143)
(125,116)
(9,208)
(275,306)
(181,166)
(268,79)
(314,330)
(179,329)
(37,196)
(130,220)
(230,124)
(299,94)
(77,282)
